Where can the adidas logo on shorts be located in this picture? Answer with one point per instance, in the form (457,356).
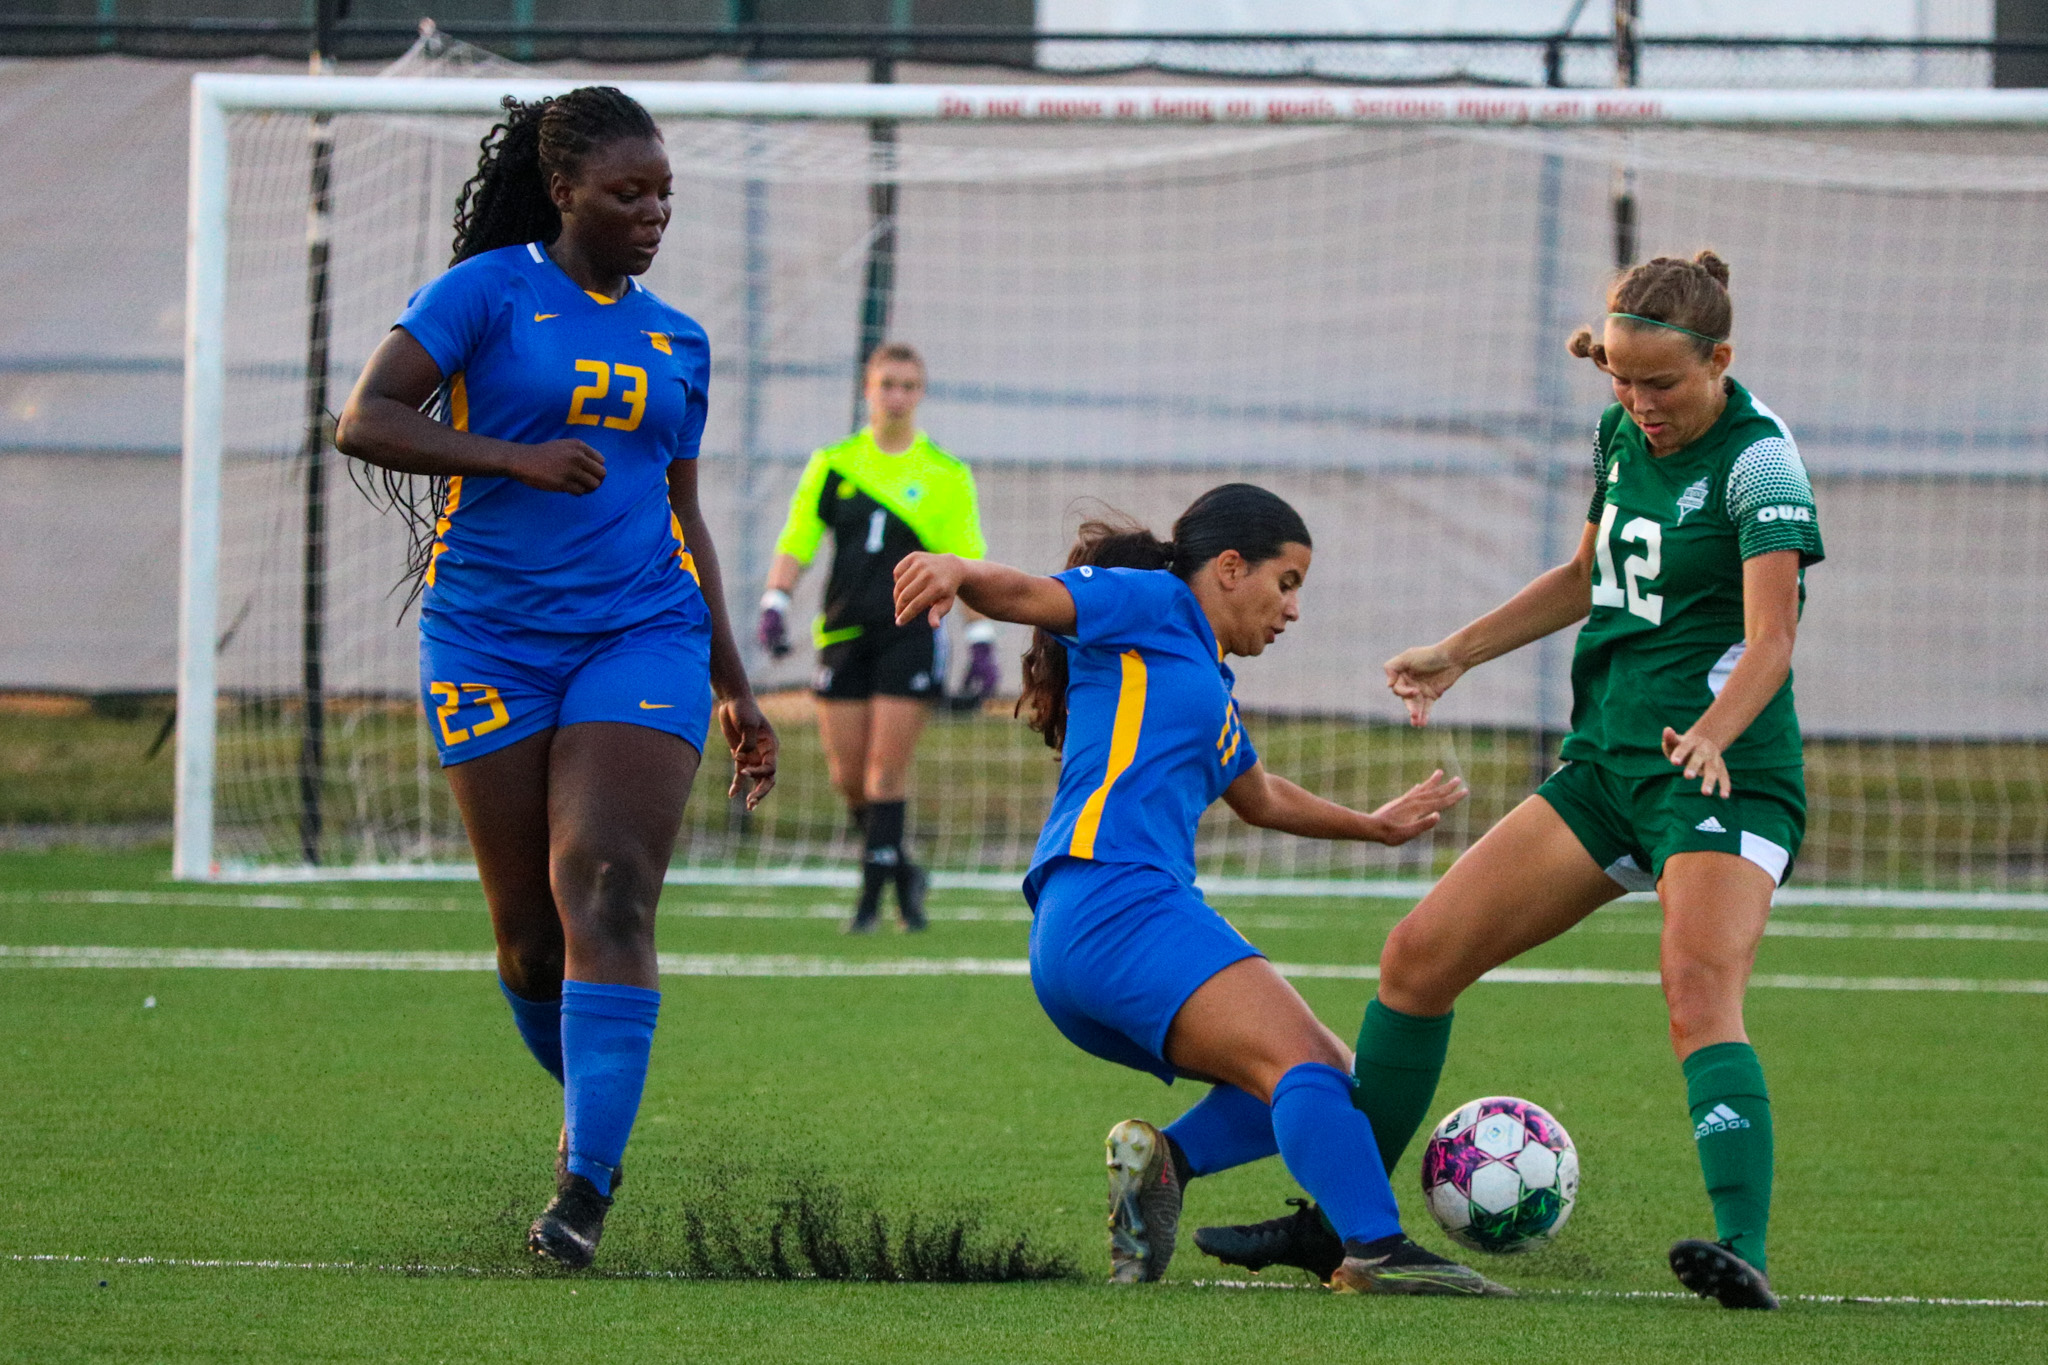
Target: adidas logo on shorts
(1711,826)
(1719,1119)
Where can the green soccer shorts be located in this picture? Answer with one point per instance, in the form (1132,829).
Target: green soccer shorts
(1632,824)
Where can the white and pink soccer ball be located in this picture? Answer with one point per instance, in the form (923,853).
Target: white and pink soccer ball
(1500,1174)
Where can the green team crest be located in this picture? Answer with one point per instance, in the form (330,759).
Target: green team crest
(1692,500)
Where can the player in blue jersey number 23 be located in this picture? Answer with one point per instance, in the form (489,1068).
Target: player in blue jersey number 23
(572,629)
(1131,964)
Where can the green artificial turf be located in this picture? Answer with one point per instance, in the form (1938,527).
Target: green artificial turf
(390,1122)
(1896,813)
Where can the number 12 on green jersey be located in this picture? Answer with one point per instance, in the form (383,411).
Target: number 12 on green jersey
(1636,569)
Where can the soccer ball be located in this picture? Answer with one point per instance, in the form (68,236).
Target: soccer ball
(1500,1174)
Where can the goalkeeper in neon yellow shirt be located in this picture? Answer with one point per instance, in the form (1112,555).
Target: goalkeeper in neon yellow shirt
(884,492)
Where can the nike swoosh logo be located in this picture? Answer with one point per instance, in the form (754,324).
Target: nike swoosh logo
(657,706)
(543,317)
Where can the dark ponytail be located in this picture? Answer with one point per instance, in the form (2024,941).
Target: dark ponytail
(506,203)
(1234,516)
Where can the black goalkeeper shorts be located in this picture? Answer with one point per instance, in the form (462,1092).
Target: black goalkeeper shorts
(888,661)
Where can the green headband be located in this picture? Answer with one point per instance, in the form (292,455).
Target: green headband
(1659,322)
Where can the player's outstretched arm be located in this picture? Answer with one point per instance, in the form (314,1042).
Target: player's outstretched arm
(382,424)
(1553,601)
(1770,625)
(929,585)
(748,734)
(1270,801)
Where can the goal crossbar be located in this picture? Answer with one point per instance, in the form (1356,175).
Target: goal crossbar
(216,96)
(1069,103)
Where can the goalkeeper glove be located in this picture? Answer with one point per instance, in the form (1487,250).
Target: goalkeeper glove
(773,631)
(984,676)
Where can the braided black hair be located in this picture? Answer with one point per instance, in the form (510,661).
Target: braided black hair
(506,203)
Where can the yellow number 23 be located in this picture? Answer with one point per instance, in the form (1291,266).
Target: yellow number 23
(635,396)
(450,695)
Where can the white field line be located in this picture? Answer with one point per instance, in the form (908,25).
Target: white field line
(1409,889)
(1607,922)
(1969,933)
(1683,1296)
(791,965)
(210,900)
(480,1272)
(222,900)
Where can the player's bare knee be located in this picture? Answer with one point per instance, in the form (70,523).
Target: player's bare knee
(532,969)
(1324,1048)
(1415,977)
(1699,995)
(1262,1070)
(614,901)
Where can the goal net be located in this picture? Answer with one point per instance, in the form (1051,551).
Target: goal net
(1357,298)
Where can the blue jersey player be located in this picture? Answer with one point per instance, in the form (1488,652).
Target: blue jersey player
(1128,681)
(572,631)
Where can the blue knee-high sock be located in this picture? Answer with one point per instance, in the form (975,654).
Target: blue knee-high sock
(1330,1152)
(607,1032)
(1226,1128)
(540,1023)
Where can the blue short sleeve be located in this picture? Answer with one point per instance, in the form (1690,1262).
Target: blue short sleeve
(693,349)
(1234,747)
(1247,756)
(451,316)
(1120,608)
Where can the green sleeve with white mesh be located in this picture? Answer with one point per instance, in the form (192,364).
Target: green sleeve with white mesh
(1602,434)
(804,529)
(1770,501)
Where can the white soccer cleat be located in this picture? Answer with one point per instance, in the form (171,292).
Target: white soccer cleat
(1144,1202)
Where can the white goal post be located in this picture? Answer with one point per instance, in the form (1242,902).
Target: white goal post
(1884,155)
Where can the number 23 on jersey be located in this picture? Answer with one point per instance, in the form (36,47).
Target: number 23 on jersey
(633,396)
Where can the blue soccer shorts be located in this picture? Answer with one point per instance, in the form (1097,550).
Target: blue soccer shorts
(1117,949)
(486,684)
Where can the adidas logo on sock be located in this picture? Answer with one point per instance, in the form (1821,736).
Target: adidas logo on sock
(1711,826)
(1719,1119)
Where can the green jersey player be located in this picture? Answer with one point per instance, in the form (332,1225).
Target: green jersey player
(1682,772)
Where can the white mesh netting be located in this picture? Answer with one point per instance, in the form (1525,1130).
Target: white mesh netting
(1368,320)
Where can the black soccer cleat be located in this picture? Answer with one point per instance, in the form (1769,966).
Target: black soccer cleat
(1712,1270)
(568,1229)
(1301,1240)
(912,882)
(1395,1265)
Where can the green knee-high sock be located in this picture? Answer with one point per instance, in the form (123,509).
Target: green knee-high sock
(1731,1124)
(1400,1056)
